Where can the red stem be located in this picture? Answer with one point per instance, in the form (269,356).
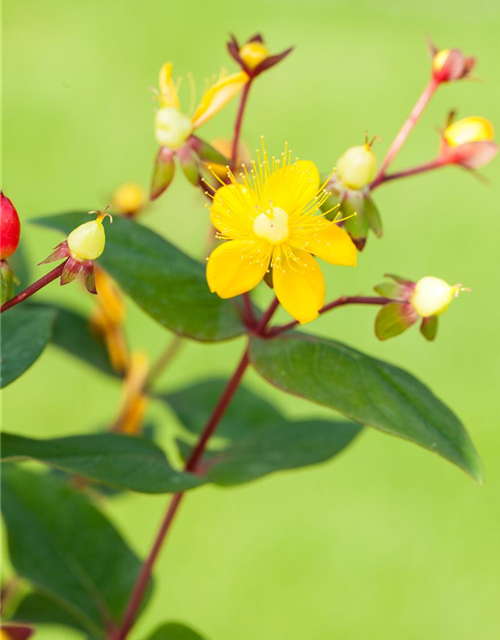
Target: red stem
(191,464)
(422,168)
(238,123)
(33,288)
(411,121)
(340,302)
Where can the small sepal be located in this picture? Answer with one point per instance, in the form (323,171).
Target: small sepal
(206,152)
(6,281)
(163,172)
(189,165)
(393,319)
(61,251)
(429,327)
(89,276)
(399,289)
(71,270)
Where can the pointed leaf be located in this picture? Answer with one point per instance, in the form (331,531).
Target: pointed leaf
(164,281)
(66,548)
(206,152)
(364,389)
(189,165)
(175,631)
(254,439)
(38,609)
(72,333)
(119,461)
(373,217)
(25,332)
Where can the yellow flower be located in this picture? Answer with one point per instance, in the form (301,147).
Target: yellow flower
(173,127)
(472,129)
(272,221)
(87,241)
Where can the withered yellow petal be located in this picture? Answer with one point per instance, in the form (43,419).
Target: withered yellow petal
(237,266)
(218,96)
(332,244)
(168,91)
(300,286)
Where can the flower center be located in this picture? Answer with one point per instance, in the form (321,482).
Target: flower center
(272,225)
(173,128)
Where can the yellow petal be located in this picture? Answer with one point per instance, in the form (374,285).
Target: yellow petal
(168,92)
(292,187)
(237,266)
(300,286)
(218,96)
(332,244)
(233,211)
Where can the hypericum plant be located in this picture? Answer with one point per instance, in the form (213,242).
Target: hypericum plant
(272,217)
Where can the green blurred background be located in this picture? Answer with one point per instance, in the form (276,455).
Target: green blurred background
(390,541)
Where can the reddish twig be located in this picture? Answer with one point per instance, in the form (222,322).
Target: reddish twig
(190,466)
(422,168)
(238,124)
(339,302)
(411,121)
(33,288)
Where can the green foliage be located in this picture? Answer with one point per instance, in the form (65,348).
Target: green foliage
(25,332)
(167,284)
(256,439)
(174,631)
(72,334)
(38,608)
(119,461)
(66,548)
(367,390)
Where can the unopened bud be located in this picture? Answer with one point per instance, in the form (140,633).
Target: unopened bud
(253,53)
(129,198)
(172,127)
(10,228)
(357,167)
(87,241)
(432,296)
(472,129)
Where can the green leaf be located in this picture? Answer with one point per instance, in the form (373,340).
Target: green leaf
(373,216)
(247,411)
(163,281)
(286,446)
(256,439)
(175,631)
(66,548)
(38,608)
(120,461)
(25,332)
(72,334)
(364,389)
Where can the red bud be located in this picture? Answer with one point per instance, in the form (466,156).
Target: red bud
(10,227)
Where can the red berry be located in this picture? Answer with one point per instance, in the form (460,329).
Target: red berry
(10,227)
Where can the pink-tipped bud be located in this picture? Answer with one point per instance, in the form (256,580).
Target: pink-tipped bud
(450,64)
(10,228)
